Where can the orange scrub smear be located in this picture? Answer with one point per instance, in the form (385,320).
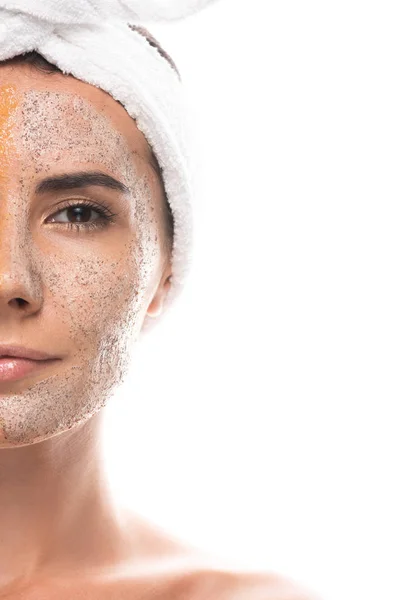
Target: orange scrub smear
(8,104)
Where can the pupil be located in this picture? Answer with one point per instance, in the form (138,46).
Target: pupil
(79,212)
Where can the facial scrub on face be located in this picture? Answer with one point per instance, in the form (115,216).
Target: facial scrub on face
(89,290)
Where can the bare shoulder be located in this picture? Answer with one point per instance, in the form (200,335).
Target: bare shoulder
(159,566)
(183,579)
(211,582)
(165,567)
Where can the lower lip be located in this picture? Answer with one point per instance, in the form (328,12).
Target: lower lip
(12,369)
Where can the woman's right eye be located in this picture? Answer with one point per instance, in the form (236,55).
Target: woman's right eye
(80,214)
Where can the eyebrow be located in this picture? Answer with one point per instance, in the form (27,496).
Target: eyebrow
(81,179)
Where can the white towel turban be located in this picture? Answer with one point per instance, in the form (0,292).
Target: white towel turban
(91,40)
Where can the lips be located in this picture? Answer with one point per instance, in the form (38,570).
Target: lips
(12,369)
(17,362)
(7,351)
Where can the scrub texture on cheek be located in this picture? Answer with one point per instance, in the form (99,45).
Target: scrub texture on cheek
(94,284)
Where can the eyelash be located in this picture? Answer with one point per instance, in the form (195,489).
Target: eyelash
(106,216)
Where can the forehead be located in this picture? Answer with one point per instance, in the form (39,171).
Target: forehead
(60,107)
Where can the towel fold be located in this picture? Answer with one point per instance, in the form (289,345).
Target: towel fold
(84,12)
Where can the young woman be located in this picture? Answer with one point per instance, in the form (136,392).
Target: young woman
(86,234)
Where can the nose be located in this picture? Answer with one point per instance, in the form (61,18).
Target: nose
(15,297)
(20,291)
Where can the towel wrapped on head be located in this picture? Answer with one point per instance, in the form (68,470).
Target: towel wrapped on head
(84,12)
(91,40)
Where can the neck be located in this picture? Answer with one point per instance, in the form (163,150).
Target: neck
(56,509)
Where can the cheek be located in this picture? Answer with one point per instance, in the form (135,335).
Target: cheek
(99,293)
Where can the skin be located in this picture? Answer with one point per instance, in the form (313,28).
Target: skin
(86,294)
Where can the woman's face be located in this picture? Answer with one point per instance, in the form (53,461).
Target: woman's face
(86,281)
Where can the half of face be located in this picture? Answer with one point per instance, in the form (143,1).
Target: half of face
(81,261)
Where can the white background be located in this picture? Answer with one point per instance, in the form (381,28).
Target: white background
(260,419)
